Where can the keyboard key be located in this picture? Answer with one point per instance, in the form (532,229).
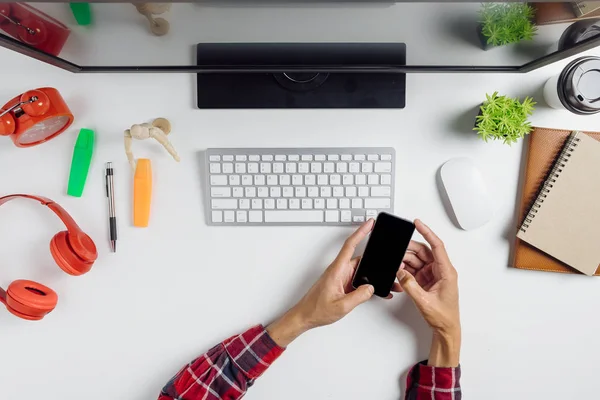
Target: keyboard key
(319,203)
(335,180)
(224,204)
(354,167)
(240,157)
(320,157)
(359,157)
(285,180)
(306,157)
(217,216)
(280,157)
(373,179)
(294,204)
(326,191)
(288,191)
(383,167)
(363,191)
(255,216)
(359,218)
(263,191)
(332,216)
(242,216)
(378,203)
(341,167)
(265,168)
(253,168)
(346,216)
(346,157)
(316,167)
(215,168)
(329,167)
(386,157)
(246,180)
(227,168)
(229,216)
(322,180)
(310,180)
(351,191)
(338,191)
(307,204)
(244,204)
(357,203)
(259,180)
(372,157)
(228,158)
(344,203)
(214,158)
(381,191)
(297,180)
(367,167)
(254,158)
(313,191)
(295,216)
(332,203)
(234,180)
(269,204)
(303,168)
(282,204)
(257,204)
(267,157)
(386,179)
(218,180)
(278,168)
(348,179)
(371,214)
(294,157)
(271,180)
(220,192)
(275,192)
(290,168)
(238,192)
(360,179)
(301,191)
(333,157)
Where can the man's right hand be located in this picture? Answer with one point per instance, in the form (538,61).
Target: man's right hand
(428,277)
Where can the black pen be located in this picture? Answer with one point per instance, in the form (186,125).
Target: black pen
(112,217)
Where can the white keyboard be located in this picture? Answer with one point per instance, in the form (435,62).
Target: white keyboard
(299,186)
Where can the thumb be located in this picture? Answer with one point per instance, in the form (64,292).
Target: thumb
(359,296)
(410,286)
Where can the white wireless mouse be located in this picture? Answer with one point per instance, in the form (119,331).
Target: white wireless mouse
(467,192)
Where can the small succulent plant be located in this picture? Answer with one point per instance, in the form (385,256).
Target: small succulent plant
(504,118)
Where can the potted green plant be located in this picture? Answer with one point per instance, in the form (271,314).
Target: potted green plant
(505,23)
(504,118)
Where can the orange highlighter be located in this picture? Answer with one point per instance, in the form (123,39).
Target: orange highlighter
(142,192)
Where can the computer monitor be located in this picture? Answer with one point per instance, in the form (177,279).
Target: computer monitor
(293,41)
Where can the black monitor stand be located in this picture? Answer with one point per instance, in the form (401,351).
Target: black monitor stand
(300,75)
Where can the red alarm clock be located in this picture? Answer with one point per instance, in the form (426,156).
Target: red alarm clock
(35,117)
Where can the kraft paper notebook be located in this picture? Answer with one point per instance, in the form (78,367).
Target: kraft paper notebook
(560,211)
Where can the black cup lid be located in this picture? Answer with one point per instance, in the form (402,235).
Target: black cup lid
(579,90)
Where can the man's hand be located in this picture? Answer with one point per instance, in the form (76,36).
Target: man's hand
(428,277)
(330,299)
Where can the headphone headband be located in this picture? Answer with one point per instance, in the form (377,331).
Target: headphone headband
(64,216)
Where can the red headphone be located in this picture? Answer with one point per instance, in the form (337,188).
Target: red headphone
(73,251)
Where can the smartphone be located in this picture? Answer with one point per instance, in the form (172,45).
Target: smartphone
(384,253)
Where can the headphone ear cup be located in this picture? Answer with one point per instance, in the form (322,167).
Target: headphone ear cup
(30,300)
(66,258)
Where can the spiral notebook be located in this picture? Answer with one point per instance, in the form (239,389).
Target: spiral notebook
(564,220)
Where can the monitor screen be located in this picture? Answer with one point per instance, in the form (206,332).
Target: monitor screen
(436,34)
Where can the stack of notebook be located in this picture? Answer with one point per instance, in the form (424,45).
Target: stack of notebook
(560,207)
(559,12)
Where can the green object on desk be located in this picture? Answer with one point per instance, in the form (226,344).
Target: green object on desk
(80,165)
(82,13)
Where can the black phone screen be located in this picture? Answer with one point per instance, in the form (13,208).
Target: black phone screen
(384,253)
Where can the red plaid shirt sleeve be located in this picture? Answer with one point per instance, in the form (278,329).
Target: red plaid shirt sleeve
(433,383)
(227,370)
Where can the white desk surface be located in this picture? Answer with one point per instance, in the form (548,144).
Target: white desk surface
(175,289)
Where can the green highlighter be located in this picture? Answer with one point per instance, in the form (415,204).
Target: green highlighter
(80,165)
(82,13)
